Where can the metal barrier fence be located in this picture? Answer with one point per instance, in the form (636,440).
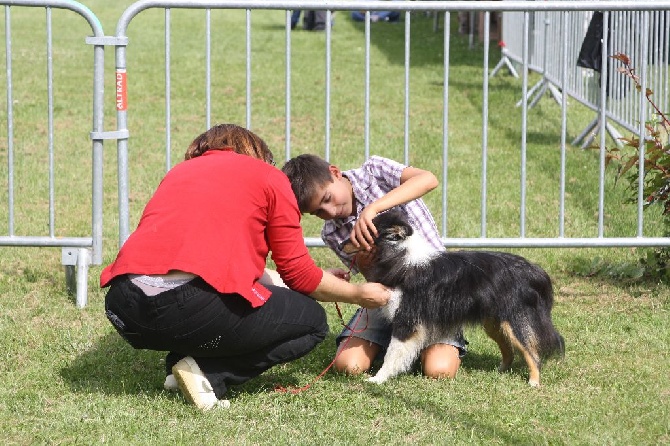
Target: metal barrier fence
(535,45)
(642,35)
(527,10)
(77,252)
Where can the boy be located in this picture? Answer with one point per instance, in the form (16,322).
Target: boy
(348,201)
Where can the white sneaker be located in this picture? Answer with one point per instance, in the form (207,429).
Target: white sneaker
(194,386)
(171,383)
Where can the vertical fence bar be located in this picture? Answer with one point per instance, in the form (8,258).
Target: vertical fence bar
(287,75)
(485,117)
(408,29)
(50,124)
(644,52)
(248,66)
(122,144)
(524,125)
(329,21)
(97,151)
(208,68)
(168,89)
(445,120)
(629,112)
(564,125)
(603,124)
(665,55)
(10,122)
(367,87)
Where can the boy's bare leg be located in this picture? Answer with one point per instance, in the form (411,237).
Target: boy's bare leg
(355,356)
(440,361)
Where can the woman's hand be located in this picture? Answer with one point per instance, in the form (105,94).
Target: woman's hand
(373,295)
(367,295)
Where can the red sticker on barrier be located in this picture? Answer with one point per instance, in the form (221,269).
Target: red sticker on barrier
(121,90)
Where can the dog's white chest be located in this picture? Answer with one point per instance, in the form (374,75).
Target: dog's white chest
(389,310)
(418,249)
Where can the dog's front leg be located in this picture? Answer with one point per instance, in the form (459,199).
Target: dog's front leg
(399,357)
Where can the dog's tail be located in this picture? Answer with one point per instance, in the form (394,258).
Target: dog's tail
(554,345)
(550,341)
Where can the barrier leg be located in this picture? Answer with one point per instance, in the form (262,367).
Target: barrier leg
(585,132)
(504,61)
(614,134)
(83,261)
(543,86)
(70,279)
(592,130)
(531,92)
(79,259)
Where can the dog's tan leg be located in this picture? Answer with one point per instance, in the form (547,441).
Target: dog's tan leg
(532,358)
(400,355)
(492,328)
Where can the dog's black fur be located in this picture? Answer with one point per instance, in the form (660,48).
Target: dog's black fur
(436,293)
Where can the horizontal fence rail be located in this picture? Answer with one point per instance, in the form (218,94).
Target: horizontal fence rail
(77,252)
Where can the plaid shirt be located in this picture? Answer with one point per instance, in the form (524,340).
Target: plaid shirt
(374,179)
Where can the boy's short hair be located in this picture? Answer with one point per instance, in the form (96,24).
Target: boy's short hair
(307,174)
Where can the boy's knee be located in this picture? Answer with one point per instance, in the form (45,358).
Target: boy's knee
(440,361)
(351,366)
(353,361)
(349,369)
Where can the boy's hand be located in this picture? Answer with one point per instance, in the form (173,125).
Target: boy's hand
(364,233)
(339,273)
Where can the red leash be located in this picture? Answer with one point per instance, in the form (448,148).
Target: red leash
(295,390)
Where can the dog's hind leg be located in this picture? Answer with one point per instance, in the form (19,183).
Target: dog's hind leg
(493,330)
(400,355)
(528,349)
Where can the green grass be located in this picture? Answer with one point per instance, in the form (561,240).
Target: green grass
(69,378)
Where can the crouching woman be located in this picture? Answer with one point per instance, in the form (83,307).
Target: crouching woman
(189,279)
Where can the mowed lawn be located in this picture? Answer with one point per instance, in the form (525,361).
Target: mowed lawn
(70,379)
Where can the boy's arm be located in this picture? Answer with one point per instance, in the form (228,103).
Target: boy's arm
(414,183)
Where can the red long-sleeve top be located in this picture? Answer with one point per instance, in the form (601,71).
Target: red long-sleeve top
(217,216)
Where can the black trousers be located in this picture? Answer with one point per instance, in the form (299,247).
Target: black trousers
(231,341)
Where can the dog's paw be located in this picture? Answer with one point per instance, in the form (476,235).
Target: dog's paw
(503,367)
(376,379)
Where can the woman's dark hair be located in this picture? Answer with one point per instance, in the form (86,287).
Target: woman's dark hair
(227,137)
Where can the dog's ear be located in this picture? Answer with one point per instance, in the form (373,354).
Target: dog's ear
(395,231)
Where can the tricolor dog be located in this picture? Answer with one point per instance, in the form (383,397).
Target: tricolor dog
(438,292)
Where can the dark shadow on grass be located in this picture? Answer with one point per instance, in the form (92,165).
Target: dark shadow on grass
(478,361)
(113,367)
(312,365)
(295,375)
(426,45)
(631,276)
